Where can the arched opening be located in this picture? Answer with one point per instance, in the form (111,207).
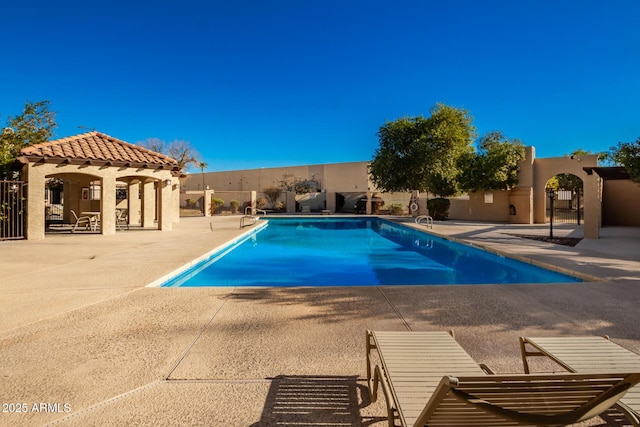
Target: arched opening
(565,199)
(69,196)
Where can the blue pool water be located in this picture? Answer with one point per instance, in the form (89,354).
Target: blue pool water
(354,252)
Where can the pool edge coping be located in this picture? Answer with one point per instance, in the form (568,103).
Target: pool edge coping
(172,274)
(521,258)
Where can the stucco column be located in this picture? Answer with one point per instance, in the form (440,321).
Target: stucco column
(291,201)
(422,205)
(331,200)
(134,205)
(368,204)
(35,202)
(175,200)
(72,194)
(108,205)
(165,221)
(148,204)
(206,202)
(254,200)
(592,206)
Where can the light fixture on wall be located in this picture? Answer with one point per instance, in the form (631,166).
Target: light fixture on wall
(167,182)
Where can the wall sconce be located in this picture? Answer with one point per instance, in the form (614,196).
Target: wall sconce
(167,182)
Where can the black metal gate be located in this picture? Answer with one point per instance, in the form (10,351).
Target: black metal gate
(568,206)
(13,206)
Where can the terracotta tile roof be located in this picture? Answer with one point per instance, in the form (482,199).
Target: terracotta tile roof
(98,148)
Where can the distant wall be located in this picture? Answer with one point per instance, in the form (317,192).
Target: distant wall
(621,203)
(524,204)
(481,206)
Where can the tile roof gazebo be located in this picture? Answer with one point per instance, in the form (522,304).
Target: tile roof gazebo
(90,157)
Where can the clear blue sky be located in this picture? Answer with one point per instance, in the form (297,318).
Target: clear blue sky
(259,83)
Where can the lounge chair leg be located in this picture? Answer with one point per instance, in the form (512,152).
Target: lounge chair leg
(378,379)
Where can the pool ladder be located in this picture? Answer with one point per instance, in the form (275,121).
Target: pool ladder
(425,220)
(249,211)
(245,218)
(250,214)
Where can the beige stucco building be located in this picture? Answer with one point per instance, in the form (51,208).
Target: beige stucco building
(337,187)
(92,166)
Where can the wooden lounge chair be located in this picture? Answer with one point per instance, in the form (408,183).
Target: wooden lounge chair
(588,354)
(429,380)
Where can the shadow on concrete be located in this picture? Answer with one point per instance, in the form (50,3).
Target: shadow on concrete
(315,401)
(334,304)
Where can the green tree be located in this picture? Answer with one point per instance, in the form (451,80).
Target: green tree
(495,164)
(35,125)
(418,153)
(627,154)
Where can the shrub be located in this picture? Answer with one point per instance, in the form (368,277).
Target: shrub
(272,193)
(234,206)
(397,209)
(216,204)
(281,206)
(439,208)
(261,203)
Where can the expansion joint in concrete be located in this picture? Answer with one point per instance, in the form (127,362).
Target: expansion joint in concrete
(104,403)
(197,337)
(395,309)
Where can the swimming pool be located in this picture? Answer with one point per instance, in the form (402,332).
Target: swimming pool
(353,252)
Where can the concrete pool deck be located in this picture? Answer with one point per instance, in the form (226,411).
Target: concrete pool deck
(84,342)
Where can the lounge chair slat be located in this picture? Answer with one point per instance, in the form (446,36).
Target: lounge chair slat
(586,354)
(415,371)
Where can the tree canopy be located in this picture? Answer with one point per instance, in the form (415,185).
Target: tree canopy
(627,154)
(495,164)
(421,153)
(35,125)
(178,149)
(290,182)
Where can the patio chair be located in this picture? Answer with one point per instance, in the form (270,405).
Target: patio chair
(585,354)
(122,219)
(429,380)
(82,220)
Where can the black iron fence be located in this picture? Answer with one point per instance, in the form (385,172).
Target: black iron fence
(568,207)
(13,206)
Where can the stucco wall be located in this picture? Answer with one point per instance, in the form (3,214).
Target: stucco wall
(339,177)
(495,207)
(621,203)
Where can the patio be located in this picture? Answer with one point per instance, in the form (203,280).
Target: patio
(82,334)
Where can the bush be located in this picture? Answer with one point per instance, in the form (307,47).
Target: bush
(439,208)
(261,203)
(281,206)
(234,206)
(396,209)
(216,204)
(191,203)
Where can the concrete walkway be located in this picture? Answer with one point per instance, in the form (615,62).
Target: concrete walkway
(84,342)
